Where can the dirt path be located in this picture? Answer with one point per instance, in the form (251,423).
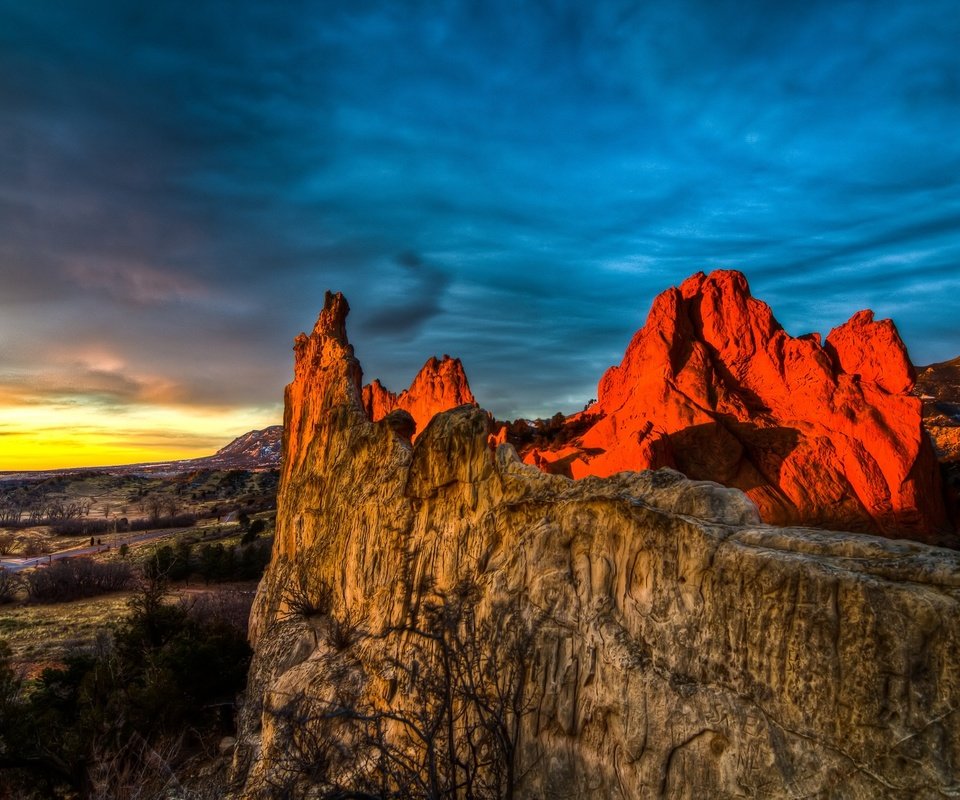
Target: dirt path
(17,564)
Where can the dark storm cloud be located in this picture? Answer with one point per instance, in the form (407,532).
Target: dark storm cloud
(408,300)
(508,182)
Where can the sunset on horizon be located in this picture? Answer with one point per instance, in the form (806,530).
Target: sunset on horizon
(479,400)
(511,184)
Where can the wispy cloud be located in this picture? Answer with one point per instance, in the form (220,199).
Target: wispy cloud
(508,182)
(135,283)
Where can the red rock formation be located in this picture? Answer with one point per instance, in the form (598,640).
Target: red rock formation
(440,385)
(818,435)
(643,635)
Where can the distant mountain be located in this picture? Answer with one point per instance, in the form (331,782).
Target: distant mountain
(253,450)
(939,387)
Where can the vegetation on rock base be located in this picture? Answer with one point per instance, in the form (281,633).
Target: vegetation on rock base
(139,705)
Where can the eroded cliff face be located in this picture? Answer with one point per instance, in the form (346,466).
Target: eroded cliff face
(678,647)
(816,434)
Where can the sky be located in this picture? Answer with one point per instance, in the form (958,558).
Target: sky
(508,182)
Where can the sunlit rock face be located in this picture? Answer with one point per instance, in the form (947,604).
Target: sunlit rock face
(681,649)
(816,434)
(440,385)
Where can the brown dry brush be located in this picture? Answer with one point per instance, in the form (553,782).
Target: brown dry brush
(73,578)
(306,596)
(227,607)
(449,725)
(130,718)
(136,771)
(9,586)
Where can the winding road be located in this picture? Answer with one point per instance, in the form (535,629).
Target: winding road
(17,564)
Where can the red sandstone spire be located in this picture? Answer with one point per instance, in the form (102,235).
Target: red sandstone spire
(714,386)
(440,384)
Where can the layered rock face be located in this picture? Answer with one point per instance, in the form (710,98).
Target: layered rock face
(816,434)
(440,385)
(678,647)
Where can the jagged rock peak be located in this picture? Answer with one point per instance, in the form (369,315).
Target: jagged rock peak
(713,385)
(440,384)
(670,645)
(874,351)
(333,318)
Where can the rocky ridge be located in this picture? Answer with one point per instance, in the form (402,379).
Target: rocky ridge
(678,647)
(816,433)
(440,384)
(259,449)
(938,386)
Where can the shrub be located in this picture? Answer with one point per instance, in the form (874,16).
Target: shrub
(308,596)
(34,547)
(169,562)
(81,527)
(72,578)
(178,521)
(9,583)
(254,559)
(241,563)
(140,708)
(220,607)
(342,631)
(213,562)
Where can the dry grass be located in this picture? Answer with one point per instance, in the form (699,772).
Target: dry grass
(40,635)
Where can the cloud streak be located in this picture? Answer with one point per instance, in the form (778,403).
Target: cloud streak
(509,182)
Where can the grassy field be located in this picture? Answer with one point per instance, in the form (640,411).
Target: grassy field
(100,504)
(41,634)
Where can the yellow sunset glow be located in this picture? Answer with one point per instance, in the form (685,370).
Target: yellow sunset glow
(36,437)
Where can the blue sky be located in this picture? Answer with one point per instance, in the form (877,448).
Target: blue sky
(511,183)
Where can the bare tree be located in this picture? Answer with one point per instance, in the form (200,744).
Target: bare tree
(171,505)
(12,506)
(154,504)
(55,509)
(9,584)
(449,725)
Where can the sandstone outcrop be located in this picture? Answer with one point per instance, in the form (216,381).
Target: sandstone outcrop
(816,434)
(441,384)
(678,647)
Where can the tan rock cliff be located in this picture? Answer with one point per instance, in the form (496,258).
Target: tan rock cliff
(679,648)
